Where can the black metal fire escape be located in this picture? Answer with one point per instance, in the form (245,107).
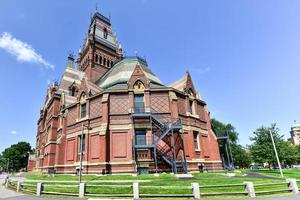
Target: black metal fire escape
(167,143)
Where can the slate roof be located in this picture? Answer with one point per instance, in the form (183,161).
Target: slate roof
(121,72)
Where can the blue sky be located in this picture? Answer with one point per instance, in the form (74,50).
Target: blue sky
(243,55)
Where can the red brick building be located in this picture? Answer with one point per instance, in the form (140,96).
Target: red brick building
(126,119)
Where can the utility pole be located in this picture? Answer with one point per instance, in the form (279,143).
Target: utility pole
(276,154)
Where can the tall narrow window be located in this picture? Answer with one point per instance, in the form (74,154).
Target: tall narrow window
(100,60)
(96,58)
(139,106)
(140,137)
(104,61)
(191,106)
(105,33)
(83,110)
(196,141)
(81,142)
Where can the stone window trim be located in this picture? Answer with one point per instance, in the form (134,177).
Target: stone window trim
(83,104)
(196,141)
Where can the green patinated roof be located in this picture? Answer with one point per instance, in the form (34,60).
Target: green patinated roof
(121,72)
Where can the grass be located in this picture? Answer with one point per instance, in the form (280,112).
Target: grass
(204,179)
(287,173)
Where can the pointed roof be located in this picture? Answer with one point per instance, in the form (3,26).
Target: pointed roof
(185,84)
(121,72)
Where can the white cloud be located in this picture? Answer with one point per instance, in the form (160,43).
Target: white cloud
(23,51)
(14,132)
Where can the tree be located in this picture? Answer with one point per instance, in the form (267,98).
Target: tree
(16,156)
(262,149)
(241,157)
(222,129)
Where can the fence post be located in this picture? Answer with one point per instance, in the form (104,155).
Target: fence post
(7,182)
(292,184)
(196,191)
(249,188)
(136,192)
(39,187)
(19,186)
(81,189)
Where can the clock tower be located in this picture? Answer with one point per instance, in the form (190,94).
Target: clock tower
(101,49)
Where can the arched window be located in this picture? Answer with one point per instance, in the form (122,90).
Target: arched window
(111,63)
(83,106)
(190,92)
(139,104)
(104,61)
(138,86)
(100,60)
(73,90)
(96,58)
(105,33)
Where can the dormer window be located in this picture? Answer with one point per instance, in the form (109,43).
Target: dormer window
(105,33)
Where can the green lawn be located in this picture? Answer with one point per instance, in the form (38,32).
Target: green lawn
(288,173)
(97,184)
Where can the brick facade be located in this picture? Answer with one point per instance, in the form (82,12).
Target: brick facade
(91,101)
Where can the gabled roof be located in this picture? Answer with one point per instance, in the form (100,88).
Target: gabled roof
(121,72)
(185,84)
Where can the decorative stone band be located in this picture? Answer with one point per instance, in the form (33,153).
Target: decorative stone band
(120,126)
(90,164)
(101,130)
(203,161)
(193,128)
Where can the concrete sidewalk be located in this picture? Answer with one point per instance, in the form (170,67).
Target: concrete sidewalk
(5,193)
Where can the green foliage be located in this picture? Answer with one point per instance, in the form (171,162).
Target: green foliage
(16,156)
(222,129)
(262,148)
(241,156)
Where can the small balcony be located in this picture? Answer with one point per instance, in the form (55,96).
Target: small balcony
(143,141)
(140,111)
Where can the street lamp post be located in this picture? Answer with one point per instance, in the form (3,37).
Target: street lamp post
(81,151)
(7,164)
(276,154)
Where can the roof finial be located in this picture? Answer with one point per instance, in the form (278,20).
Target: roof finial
(136,53)
(109,16)
(96,7)
(71,55)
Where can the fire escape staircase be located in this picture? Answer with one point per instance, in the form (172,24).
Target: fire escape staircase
(167,141)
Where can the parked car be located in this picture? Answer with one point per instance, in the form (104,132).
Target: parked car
(253,167)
